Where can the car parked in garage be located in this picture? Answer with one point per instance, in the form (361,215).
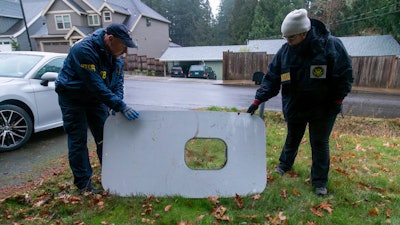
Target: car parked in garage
(28,102)
(177,71)
(201,71)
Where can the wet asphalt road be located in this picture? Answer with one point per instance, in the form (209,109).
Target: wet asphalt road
(178,94)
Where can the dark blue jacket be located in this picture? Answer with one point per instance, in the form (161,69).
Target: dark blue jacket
(311,75)
(91,71)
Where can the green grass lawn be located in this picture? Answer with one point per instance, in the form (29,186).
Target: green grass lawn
(363,187)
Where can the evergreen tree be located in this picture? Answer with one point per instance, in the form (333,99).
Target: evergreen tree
(204,34)
(269,15)
(224,17)
(191,20)
(369,17)
(240,26)
(159,6)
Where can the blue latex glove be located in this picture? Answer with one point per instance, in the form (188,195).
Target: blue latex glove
(130,113)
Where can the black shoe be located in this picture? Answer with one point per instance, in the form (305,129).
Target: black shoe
(279,171)
(89,189)
(321,191)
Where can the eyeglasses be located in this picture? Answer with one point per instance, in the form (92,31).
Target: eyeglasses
(290,37)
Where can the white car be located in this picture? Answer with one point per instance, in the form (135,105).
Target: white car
(28,102)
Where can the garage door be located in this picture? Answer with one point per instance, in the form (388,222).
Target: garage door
(61,47)
(5,46)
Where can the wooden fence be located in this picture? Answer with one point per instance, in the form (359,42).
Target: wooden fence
(144,65)
(376,71)
(242,65)
(369,71)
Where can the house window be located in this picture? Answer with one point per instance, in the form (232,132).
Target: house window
(63,22)
(107,16)
(148,22)
(93,20)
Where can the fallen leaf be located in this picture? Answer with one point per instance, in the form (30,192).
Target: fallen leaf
(341,170)
(322,206)
(373,212)
(388,213)
(167,208)
(311,223)
(279,219)
(255,198)
(147,209)
(74,198)
(239,201)
(284,193)
(219,212)
(327,207)
(200,218)
(295,192)
(390,145)
(148,221)
(316,212)
(384,169)
(213,200)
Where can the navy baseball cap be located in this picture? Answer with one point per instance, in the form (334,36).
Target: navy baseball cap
(119,30)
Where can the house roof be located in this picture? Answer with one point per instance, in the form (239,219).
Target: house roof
(371,45)
(32,10)
(381,45)
(10,9)
(136,8)
(206,53)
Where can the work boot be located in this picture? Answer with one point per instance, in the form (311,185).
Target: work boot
(279,171)
(90,189)
(321,191)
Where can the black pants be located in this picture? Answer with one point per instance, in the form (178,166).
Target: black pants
(80,113)
(320,131)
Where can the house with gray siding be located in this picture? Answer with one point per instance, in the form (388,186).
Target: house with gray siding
(64,22)
(70,20)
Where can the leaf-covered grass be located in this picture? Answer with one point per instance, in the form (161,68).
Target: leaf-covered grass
(363,188)
(205,153)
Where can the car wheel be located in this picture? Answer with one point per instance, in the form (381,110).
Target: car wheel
(15,127)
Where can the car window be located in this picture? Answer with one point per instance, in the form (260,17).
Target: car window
(196,67)
(53,66)
(17,65)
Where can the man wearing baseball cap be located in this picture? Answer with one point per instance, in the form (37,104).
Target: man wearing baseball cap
(119,30)
(314,74)
(88,86)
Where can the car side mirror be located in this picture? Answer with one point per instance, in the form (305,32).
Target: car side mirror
(47,77)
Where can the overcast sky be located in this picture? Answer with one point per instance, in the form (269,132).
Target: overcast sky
(214,6)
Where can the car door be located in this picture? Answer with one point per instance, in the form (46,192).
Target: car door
(47,108)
